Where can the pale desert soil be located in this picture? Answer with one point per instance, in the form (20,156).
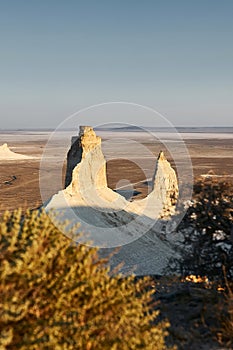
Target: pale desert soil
(19,180)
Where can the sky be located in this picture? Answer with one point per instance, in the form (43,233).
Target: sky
(57,57)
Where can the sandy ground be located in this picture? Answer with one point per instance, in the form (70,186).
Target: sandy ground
(19,180)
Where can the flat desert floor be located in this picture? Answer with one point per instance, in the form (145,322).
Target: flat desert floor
(130,159)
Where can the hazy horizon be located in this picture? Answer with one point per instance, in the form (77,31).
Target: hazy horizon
(225,129)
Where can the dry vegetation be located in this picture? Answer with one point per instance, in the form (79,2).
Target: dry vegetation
(56,295)
(208,231)
(225,312)
(208,254)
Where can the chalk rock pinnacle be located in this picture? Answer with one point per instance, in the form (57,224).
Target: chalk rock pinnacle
(86,165)
(164,183)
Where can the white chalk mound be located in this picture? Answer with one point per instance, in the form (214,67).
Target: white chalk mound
(107,217)
(7,154)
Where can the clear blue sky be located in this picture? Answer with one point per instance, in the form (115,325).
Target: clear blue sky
(59,56)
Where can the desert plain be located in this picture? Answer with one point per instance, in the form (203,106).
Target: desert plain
(130,159)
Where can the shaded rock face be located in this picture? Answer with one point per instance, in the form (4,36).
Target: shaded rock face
(74,157)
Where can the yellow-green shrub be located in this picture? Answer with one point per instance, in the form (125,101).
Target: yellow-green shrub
(56,295)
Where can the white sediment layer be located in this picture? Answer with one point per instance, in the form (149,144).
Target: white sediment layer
(7,154)
(107,218)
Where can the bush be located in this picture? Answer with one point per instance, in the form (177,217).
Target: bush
(225,315)
(56,295)
(208,231)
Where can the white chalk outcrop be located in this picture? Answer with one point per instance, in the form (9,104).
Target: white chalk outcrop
(165,185)
(7,154)
(108,217)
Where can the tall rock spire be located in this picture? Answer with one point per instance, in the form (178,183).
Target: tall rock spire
(164,183)
(86,165)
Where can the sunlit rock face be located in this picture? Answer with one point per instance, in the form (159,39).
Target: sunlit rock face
(86,165)
(165,185)
(107,216)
